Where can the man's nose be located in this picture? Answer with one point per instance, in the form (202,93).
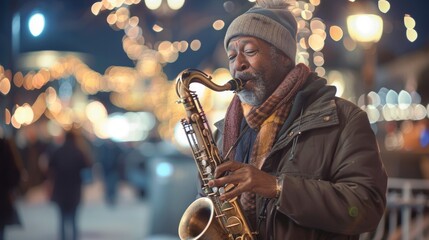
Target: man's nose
(241,63)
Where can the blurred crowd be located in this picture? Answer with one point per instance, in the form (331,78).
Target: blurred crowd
(60,167)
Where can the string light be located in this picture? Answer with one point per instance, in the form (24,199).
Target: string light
(410,23)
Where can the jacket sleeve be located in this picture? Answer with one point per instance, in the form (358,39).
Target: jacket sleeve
(353,199)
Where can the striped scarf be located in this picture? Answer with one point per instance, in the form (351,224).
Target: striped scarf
(266,118)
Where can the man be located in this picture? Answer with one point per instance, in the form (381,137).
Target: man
(306,164)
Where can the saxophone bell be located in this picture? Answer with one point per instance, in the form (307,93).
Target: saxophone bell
(199,222)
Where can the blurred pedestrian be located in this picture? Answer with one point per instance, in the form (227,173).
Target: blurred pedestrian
(65,168)
(109,155)
(9,181)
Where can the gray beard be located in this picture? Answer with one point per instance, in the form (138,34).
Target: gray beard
(249,98)
(255,97)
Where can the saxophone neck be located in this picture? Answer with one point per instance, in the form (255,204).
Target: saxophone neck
(189,76)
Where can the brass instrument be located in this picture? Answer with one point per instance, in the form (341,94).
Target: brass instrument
(208,217)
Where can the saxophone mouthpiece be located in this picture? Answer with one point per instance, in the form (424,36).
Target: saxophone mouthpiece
(236,84)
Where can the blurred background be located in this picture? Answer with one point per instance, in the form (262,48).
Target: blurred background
(106,70)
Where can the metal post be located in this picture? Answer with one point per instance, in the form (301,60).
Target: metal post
(406,211)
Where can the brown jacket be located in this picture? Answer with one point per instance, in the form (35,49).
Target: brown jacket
(334,180)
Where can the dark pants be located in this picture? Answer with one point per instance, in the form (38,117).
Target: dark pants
(1,232)
(111,186)
(68,225)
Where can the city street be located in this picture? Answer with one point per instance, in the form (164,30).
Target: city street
(127,220)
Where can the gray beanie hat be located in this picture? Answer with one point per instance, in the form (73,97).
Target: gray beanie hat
(274,24)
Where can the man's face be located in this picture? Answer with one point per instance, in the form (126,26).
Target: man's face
(257,62)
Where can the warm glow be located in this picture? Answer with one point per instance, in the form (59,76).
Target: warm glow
(303,43)
(409,22)
(18,79)
(218,24)
(108,5)
(168,51)
(133,21)
(123,15)
(183,46)
(336,79)
(349,44)
(175,4)
(96,112)
(306,14)
(384,6)
(411,35)
(39,107)
(318,61)
(221,75)
(4,86)
(336,33)
(133,32)
(365,27)
(315,2)
(195,45)
(148,66)
(153,4)
(112,18)
(96,8)
(24,114)
(317,24)
(7,116)
(316,42)
(320,71)
(157,28)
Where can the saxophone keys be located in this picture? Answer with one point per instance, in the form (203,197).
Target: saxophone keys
(234,225)
(229,187)
(226,207)
(208,177)
(206,190)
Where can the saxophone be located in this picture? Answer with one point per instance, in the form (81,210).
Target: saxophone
(208,217)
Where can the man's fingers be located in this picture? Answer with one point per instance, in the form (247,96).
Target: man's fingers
(230,179)
(231,194)
(230,166)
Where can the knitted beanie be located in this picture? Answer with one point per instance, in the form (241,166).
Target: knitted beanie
(274,24)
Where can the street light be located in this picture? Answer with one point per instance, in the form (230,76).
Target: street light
(36,24)
(367,30)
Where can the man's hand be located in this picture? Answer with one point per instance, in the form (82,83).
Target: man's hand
(246,178)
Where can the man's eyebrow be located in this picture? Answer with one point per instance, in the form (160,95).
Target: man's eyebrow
(243,41)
